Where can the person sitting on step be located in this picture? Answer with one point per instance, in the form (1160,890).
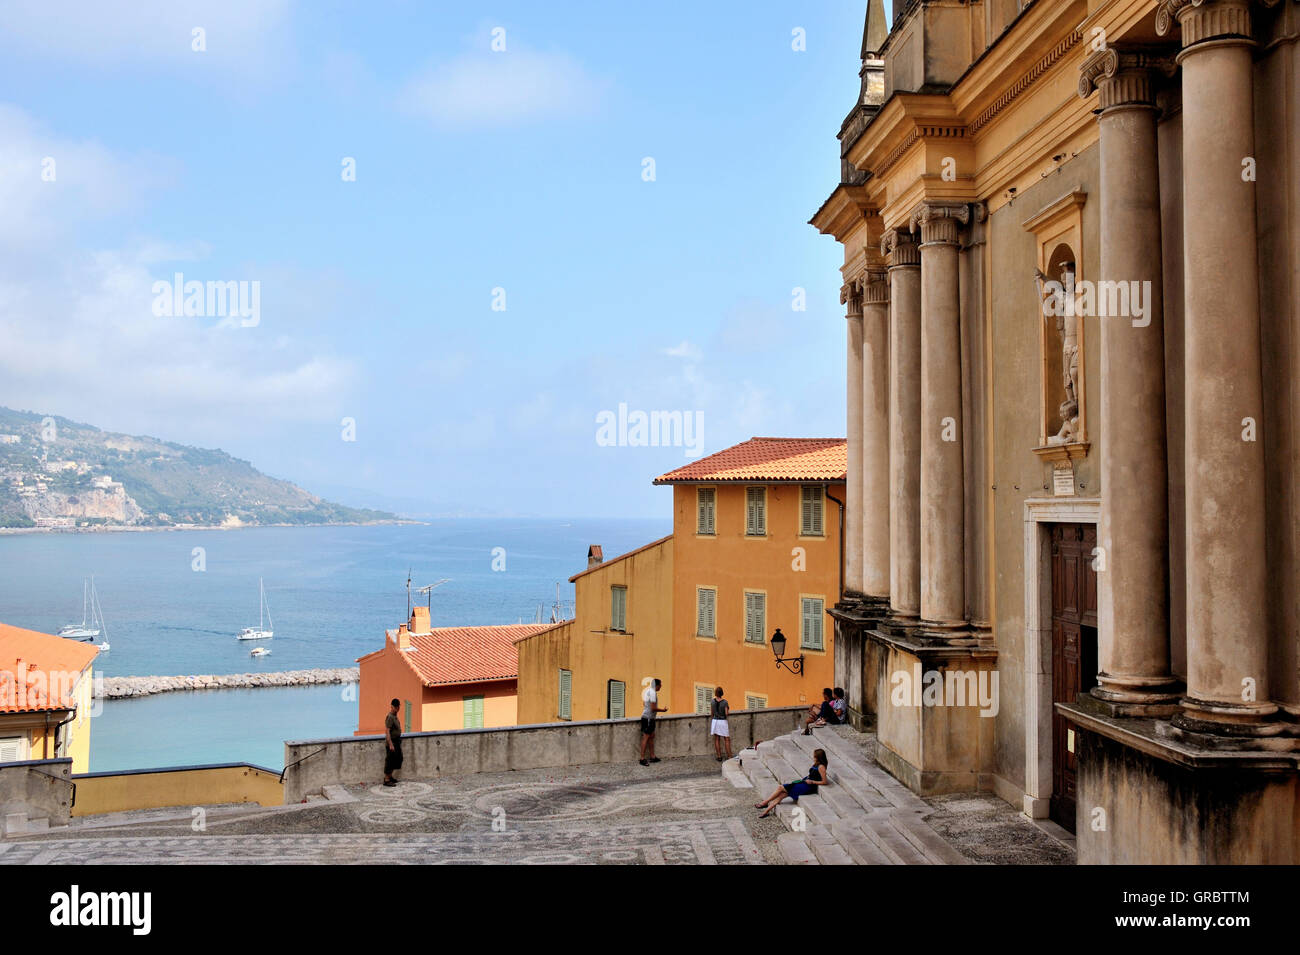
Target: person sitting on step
(817,776)
(821,713)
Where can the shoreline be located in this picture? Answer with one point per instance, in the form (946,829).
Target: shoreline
(134,687)
(136,529)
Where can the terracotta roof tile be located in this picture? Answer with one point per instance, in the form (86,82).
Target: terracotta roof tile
(769,459)
(448,655)
(38,671)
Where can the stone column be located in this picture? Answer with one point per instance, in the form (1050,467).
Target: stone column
(853,513)
(943,516)
(903,260)
(1227,657)
(875,438)
(1133,586)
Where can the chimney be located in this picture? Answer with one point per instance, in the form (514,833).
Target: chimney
(403,638)
(420,620)
(595,556)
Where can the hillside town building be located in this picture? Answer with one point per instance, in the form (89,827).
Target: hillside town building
(1071,238)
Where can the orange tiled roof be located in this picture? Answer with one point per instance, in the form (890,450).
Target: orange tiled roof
(33,666)
(769,459)
(448,655)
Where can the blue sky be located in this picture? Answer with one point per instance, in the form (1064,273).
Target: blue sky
(475,169)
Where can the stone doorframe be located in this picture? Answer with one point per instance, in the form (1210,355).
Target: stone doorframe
(1040,512)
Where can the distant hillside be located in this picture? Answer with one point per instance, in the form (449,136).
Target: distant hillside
(75,475)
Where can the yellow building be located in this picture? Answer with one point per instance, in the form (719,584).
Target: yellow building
(45,697)
(755,548)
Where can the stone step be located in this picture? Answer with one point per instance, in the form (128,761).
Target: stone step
(849,776)
(861,849)
(795,850)
(889,787)
(881,831)
(733,774)
(826,848)
(927,841)
(757,772)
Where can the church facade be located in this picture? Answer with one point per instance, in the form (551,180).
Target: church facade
(1071,235)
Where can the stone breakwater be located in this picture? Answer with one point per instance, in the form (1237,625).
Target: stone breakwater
(119,687)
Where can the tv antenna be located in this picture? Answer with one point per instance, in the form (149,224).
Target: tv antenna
(429,592)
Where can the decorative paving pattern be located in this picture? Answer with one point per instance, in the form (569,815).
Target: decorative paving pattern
(693,842)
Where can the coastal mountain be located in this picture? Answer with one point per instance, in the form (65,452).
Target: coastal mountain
(60,473)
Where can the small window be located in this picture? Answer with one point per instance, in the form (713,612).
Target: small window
(755,702)
(408,716)
(755,512)
(618,609)
(756,618)
(617,699)
(11,749)
(706,612)
(811,510)
(566,695)
(703,697)
(810,616)
(473,712)
(705,510)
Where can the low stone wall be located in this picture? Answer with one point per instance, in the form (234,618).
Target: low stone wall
(360,759)
(120,687)
(35,789)
(176,786)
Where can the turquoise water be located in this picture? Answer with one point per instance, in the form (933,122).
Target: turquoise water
(332,591)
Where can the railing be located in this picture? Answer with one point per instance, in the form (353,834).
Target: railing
(297,761)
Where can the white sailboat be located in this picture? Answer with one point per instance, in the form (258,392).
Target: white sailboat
(259,652)
(263,629)
(92,621)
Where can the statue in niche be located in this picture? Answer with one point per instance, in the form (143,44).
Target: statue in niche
(1058,301)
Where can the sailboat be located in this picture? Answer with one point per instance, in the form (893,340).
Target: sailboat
(92,618)
(262,631)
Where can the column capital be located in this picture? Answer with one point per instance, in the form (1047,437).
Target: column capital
(1124,76)
(1202,20)
(851,298)
(939,221)
(875,287)
(899,249)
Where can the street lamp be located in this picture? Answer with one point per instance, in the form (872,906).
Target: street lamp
(793,664)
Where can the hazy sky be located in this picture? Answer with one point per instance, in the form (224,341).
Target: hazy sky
(476,170)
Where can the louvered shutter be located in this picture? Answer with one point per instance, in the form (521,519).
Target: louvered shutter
(706,615)
(755,618)
(473,712)
(811,628)
(703,694)
(755,702)
(811,512)
(755,516)
(618,608)
(617,698)
(11,749)
(706,508)
(566,694)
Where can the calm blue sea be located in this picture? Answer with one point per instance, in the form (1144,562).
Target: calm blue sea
(332,592)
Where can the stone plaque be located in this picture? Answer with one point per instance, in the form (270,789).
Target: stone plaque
(1063,480)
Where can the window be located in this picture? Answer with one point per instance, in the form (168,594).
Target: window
(703,697)
(811,509)
(705,510)
(755,618)
(473,712)
(810,623)
(408,716)
(755,512)
(755,702)
(11,749)
(706,612)
(617,699)
(566,695)
(618,609)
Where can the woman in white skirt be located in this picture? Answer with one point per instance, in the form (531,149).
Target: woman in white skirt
(719,728)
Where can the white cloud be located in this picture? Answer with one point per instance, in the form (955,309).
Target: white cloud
(685,350)
(483,89)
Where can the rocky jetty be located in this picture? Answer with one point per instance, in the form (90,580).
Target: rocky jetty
(119,687)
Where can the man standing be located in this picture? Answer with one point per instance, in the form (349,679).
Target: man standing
(652,709)
(393,737)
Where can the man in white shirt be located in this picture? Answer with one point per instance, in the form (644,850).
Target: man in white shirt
(652,708)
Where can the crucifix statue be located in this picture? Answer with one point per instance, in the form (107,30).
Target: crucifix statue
(1058,300)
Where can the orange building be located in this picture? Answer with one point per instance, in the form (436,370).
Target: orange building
(756,547)
(447,678)
(45,697)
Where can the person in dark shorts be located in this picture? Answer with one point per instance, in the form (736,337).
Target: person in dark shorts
(821,713)
(393,739)
(817,776)
(652,709)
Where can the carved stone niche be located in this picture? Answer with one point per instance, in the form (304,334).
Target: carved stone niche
(1062,396)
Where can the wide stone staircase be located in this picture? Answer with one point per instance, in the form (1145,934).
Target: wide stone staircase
(863,817)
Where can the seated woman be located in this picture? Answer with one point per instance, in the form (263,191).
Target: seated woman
(821,713)
(817,776)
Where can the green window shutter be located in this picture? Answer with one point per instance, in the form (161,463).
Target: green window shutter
(617,699)
(703,695)
(755,618)
(706,615)
(811,511)
(408,716)
(618,608)
(755,511)
(755,702)
(566,695)
(473,712)
(706,502)
(810,635)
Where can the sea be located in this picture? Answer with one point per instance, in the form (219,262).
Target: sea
(173,601)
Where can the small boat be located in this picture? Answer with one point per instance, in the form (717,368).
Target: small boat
(259,652)
(263,629)
(104,647)
(91,616)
